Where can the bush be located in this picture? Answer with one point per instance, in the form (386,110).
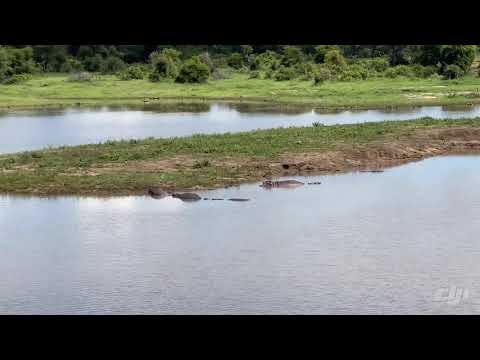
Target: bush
(254,75)
(335,57)
(321,51)
(292,55)
(459,55)
(133,72)
(354,72)
(321,75)
(17,78)
(284,73)
(112,65)
(399,70)
(71,64)
(93,63)
(378,65)
(235,60)
(81,76)
(220,74)
(207,60)
(164,67)
(453,72)
(423,71)
(305,71)
(193,71)
(267,60)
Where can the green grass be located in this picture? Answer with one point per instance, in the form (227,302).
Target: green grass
(110,168)
(55,89)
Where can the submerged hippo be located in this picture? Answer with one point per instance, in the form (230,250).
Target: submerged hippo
(157,193)
(238,199)
(269,184)
(187,196)
(372,171)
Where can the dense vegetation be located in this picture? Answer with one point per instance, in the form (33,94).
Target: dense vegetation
(197,64)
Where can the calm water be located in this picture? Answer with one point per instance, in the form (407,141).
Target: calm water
(394,242)
(20,131)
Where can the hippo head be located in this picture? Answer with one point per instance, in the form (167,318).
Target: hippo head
(267,183)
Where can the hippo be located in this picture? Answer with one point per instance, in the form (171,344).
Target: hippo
(269,184)
(371,171)
(157,193)
(238,199)
(187,196)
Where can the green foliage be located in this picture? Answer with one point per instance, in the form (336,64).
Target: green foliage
(112,65)
(164,66)
(52,58)
(17,78)
(16,61)
(322,74)
(335,57)
(321,51)
(266,61)
(453,71)
(207,60)
(460,55)
(71,64)
(93,63)
(254,74)
(292,55)
(133,72)
(235,60)
(193,71)
(285,73)
(379,64)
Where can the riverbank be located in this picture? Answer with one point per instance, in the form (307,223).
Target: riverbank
(55,90)
(213,161)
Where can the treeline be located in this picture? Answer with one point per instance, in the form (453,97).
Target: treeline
(197,63)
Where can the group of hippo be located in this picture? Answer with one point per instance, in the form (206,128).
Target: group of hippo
(158,193)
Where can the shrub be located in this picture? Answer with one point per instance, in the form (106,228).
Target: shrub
(93,63)
(164,67)
(235,61)
(112,65)
(267,60)
(207,60)
(335,57)
(292,55)
(254,75)
(305,71)
(132,72)
(321,51)
(453,72)
(193,71)
(284,73)
(321,75)
(219,74)
(379,64)
(423,71)
(459,55)
(81,76)
(399,70)
(71,64)
(17,78)
(354,72)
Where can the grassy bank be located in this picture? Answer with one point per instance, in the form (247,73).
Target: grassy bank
(208,161)
(57,90)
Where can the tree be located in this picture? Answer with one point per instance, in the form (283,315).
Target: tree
(235,60)
(460,55)
(292,55)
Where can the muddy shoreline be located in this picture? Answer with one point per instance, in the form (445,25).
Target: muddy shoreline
(374,155)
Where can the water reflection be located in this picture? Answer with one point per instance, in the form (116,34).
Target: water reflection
(30,130)
(356,243)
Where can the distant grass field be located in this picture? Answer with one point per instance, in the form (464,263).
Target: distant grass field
(129,167)
(56,89)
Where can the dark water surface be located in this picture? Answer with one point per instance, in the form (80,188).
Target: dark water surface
(403,241)
(31,130)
